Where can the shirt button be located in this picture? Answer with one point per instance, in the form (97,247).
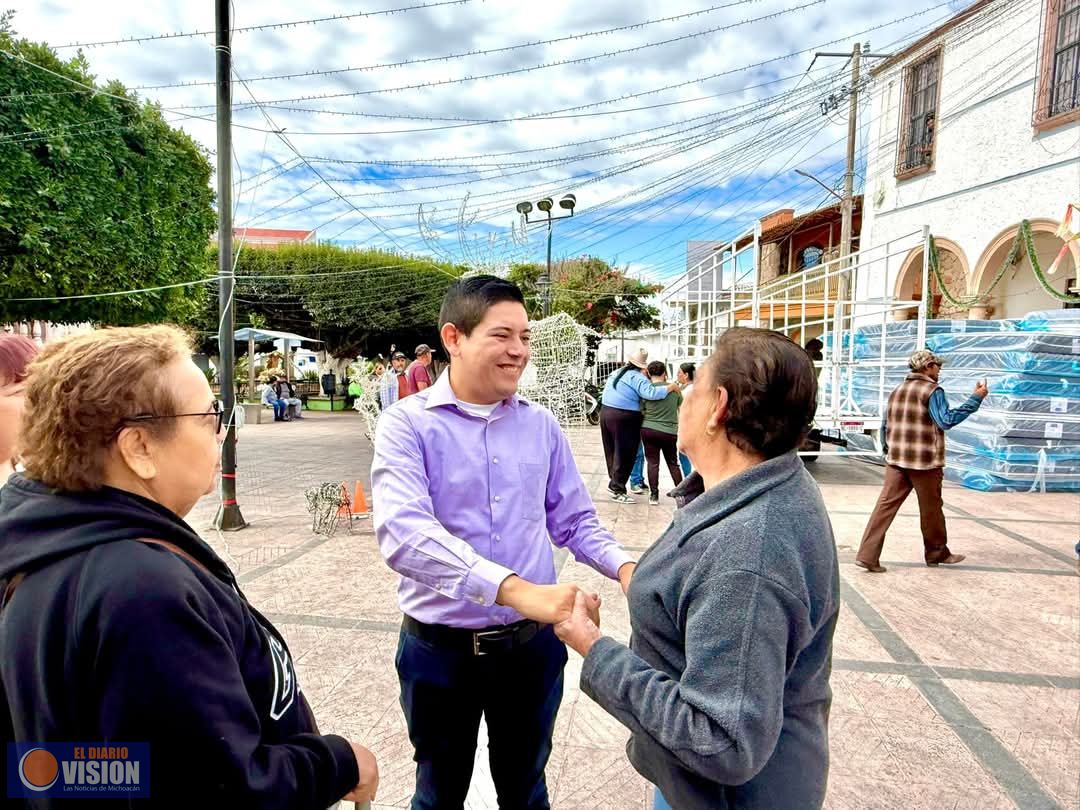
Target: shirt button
(498,537)
(478,599)
(495,461)
(438,586)
(498,498)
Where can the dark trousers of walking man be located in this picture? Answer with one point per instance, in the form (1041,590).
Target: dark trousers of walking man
(898,485)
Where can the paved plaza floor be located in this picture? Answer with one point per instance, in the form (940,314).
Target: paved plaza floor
(953,687)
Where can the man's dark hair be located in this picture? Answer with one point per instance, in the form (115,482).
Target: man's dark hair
(656,369)
(771,387)
(468,300)
(688,369)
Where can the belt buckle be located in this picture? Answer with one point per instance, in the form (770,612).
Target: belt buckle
(483,634)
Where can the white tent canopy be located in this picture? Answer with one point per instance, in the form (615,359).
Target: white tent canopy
(269,334)
(252,336)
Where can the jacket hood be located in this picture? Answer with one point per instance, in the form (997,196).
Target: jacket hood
(39,525)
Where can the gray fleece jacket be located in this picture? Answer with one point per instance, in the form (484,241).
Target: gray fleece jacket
(725,685)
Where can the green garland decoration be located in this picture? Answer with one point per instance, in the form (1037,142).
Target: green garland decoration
(1024,238)
(1029,243)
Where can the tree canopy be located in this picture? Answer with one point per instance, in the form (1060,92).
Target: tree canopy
(355,301)
(97,194)
(592,292)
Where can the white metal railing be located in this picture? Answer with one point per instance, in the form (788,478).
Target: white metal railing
(830,302)
(708,299)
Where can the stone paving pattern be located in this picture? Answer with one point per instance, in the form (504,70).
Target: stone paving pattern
(953,688)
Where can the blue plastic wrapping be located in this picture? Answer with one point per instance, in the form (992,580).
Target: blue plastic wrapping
(987,482)
(1026,435)
(1023,425)
(1053,320)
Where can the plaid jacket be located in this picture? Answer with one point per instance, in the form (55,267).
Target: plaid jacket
(913,439)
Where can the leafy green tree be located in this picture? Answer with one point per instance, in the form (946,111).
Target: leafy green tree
(592,292)
(97,194)
(358,302)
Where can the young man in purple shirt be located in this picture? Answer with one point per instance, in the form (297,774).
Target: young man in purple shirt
(471,485)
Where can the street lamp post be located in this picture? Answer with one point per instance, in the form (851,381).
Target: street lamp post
(567,203)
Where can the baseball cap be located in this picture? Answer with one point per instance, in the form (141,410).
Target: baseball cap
(397,355)
(923,358)
(422,349)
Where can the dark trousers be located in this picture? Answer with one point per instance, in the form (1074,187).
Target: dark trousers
(898,485)
(445,692)
(620,432)
(656,441)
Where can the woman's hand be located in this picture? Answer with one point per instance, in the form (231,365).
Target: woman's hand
(579,632)
(369,776)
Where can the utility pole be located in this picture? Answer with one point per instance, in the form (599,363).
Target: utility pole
(546,281)
(847,202)
(228,517)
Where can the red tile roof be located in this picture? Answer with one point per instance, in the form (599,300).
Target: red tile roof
(272,233)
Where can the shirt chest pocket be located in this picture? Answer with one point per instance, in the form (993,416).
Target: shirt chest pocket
(533,490)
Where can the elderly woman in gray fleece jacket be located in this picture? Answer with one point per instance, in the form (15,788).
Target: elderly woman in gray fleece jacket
(725,685)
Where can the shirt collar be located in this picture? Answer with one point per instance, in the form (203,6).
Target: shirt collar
(442,394)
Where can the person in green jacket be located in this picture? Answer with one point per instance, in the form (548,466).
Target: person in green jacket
(659,432)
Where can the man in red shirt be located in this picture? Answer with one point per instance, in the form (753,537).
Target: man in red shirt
(418,376)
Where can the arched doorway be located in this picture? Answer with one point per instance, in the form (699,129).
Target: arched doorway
(1019,291)
(954,271)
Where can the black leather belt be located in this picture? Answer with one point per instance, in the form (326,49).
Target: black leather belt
(503,638)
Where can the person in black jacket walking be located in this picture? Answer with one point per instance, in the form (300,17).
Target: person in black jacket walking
(117,622)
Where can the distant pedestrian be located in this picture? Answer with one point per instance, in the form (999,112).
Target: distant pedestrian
(270,398)
(916,419)
(620,420)
(685,378)
(393,385)
(287,393)
(353,393)
(418,375)
(660,430)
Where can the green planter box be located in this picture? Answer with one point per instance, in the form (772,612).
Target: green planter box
(323,404)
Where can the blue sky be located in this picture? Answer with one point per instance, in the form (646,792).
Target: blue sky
(661,143)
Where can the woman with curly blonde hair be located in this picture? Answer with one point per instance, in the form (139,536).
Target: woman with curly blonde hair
(117,621)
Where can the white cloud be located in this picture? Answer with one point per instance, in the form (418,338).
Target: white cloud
(617,216)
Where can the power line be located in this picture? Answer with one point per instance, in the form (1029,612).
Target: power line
(265,26)
(99,91)
(461,55)
(696,80)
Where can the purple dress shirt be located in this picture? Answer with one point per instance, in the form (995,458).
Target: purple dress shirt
(462,502)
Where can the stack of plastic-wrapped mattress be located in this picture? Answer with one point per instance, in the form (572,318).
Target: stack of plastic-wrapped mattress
(1026,435)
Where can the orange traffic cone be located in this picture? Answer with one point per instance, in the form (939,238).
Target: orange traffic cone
(359,503)
(345,510)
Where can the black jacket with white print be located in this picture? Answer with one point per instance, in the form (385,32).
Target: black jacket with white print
(107,637)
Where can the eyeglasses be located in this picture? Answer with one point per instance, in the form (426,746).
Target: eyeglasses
(215,411)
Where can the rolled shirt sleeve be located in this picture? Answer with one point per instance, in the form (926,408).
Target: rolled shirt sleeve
(412,540)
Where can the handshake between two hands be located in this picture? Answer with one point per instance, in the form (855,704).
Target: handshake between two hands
(573,613)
